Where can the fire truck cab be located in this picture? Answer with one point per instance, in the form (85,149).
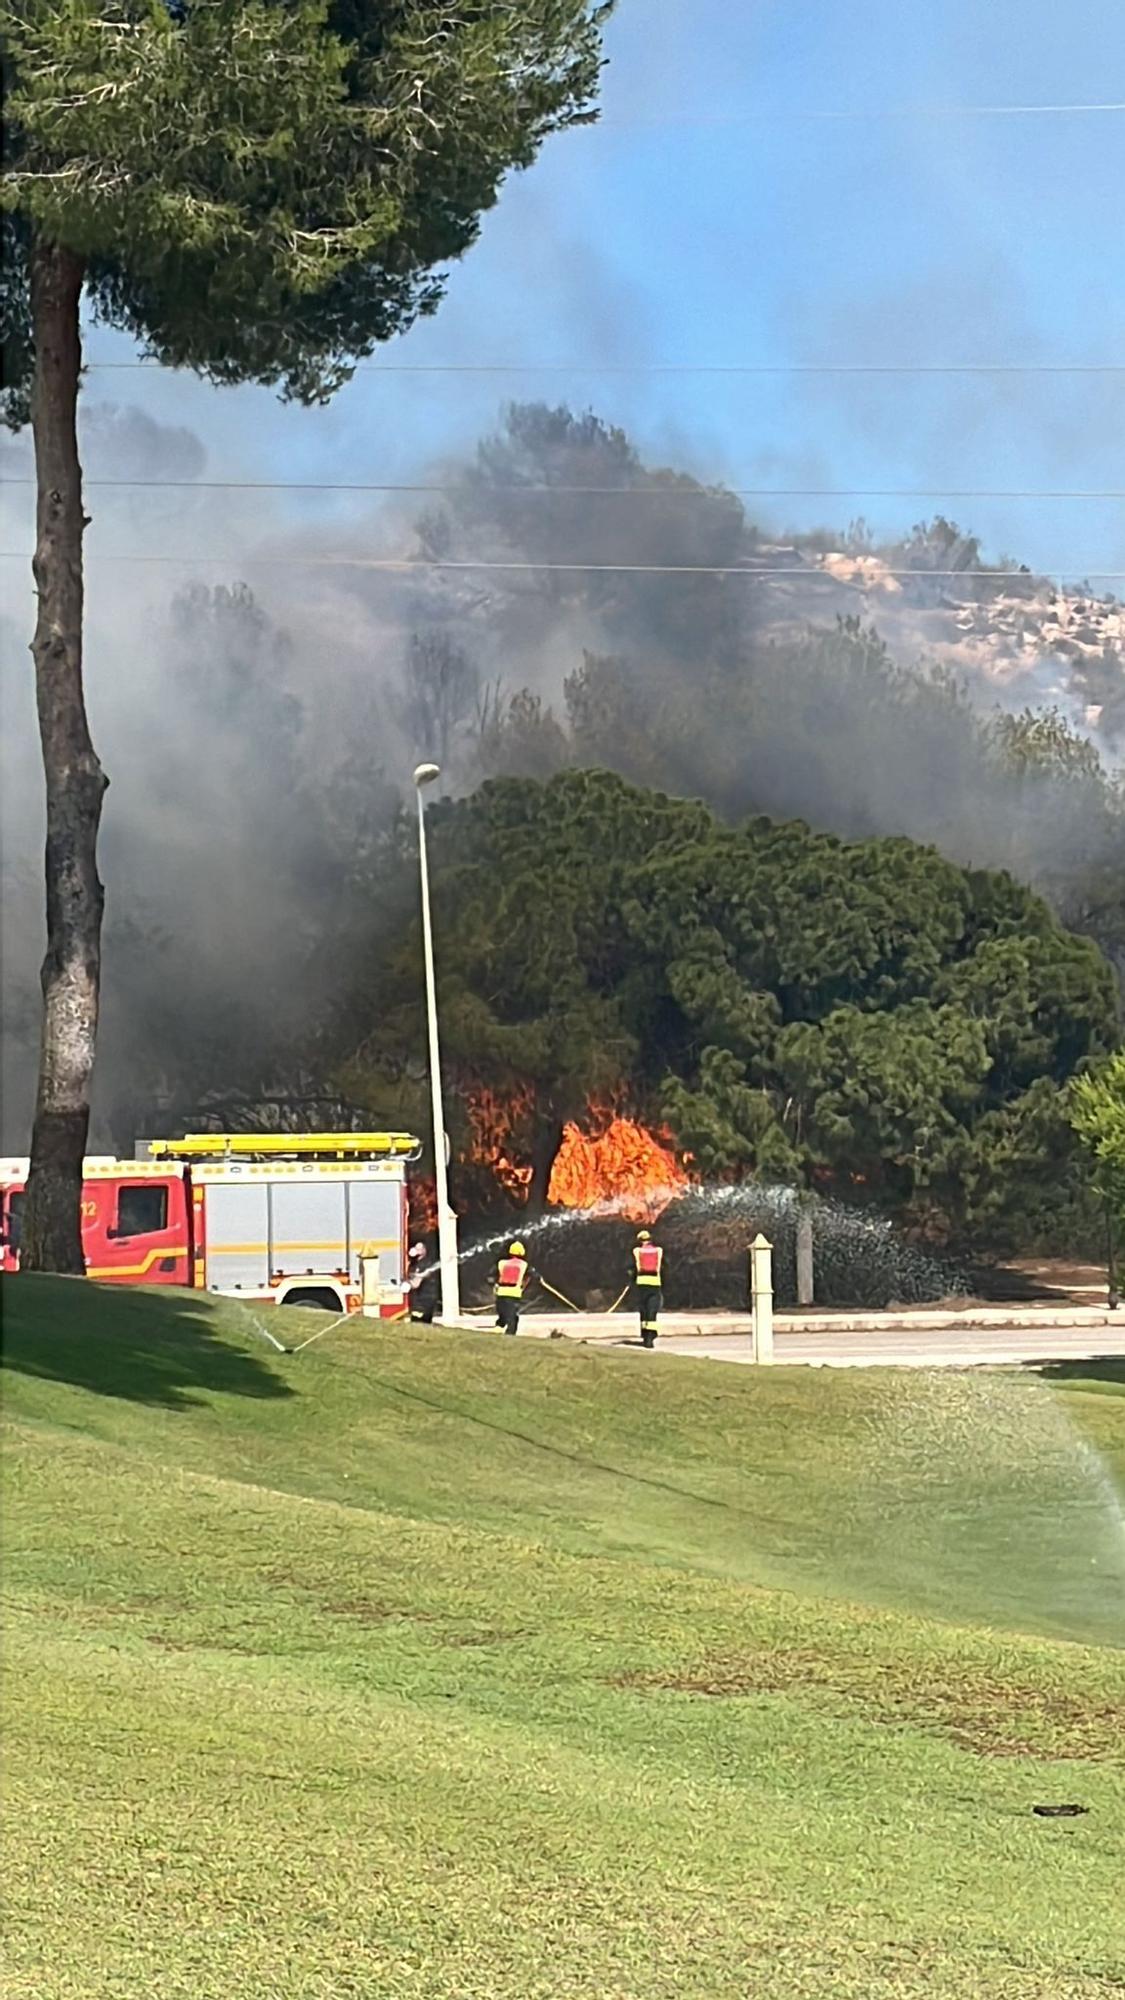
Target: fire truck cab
(283,1219)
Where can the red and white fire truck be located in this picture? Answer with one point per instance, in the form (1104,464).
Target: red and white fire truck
(285,1219)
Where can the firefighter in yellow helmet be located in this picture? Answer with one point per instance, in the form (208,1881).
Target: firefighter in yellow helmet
(512,1274)
(647,1279)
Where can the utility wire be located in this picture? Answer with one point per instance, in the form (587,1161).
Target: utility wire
(693,367)
(832,114)
(407,565)
(468,490)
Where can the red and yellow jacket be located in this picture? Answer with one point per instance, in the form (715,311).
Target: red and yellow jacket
(648,1264)
(512,1274)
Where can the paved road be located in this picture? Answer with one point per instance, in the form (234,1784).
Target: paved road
(723,1337)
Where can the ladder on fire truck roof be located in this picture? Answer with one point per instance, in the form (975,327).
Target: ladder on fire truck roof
(287,1146)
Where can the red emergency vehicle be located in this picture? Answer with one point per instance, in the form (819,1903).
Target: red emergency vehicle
(285,1219)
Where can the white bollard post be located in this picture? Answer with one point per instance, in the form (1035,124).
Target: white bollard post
(761,1297)
(804,1257)
(371,1289)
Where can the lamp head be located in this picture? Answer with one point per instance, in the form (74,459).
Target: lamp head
(424,774)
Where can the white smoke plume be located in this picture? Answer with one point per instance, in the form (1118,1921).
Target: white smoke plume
(256,737)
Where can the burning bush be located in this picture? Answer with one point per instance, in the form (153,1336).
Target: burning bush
(620,1163)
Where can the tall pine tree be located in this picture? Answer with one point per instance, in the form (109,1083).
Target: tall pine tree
(260,193)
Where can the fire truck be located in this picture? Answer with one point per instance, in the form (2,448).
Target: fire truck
(282,1219)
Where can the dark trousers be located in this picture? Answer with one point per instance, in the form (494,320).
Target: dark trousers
(508,1314)
(649,1300)
(423,1302)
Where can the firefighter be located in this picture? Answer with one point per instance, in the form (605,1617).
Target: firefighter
(421,1284)
(512,1274)
(648,1284)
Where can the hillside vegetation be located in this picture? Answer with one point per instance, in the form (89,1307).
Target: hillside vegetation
(423,1664)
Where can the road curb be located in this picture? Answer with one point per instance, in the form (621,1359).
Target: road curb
(675,1327)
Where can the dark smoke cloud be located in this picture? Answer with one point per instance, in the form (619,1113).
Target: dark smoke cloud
(255,743)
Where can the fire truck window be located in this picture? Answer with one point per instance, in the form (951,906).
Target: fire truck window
(141,1210)
(15,1218)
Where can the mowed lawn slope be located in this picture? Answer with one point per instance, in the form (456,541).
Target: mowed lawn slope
(431,1665)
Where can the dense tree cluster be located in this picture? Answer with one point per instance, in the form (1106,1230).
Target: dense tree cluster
(867,1017)
(1098,1112)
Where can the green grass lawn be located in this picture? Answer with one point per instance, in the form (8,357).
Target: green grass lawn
(438,1665)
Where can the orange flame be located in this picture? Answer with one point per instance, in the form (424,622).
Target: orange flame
(623,1163)
(422,1207)
(610,1158)
(493,1122)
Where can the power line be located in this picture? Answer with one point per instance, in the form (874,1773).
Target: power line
(833,114)
(748,368)
(467,489)
(406,565)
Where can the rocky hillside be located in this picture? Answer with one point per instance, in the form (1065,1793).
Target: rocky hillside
(1032,642)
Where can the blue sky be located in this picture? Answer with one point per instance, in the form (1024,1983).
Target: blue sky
(710,220)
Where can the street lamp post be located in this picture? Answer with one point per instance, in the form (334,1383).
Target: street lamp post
(447,1221)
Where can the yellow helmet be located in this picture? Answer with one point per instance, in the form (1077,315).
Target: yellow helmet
(517,1250)
(644,1236)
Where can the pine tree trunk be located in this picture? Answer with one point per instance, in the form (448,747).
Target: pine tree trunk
(52,1238)
(544,1153)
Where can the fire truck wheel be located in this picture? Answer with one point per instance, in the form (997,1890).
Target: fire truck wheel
(317,1297)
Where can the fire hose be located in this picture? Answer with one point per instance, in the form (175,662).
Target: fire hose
(570,1302)
(561,1296)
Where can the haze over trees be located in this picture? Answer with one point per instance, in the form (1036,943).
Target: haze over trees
(262,886)
(259,193)
(741,688)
